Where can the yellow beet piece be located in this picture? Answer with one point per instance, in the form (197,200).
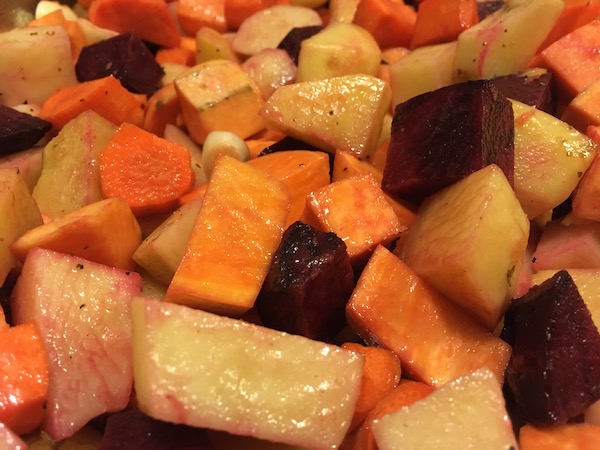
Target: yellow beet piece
(345,112)
(105,232)
(19,213)
(229,252)
(469,240)
(219,95)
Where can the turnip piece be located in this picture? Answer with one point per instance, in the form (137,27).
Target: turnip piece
(268,27)
(34,63)
(82,309)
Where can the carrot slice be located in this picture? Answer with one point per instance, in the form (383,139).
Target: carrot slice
(391,22)
(24,375)
(149,172)
(151,20)
(106,96)
(440,21)
(381,374)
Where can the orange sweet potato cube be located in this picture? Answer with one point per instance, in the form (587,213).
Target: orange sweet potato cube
(24,375)
(219,95)
(357,211)
(584,109)
(163,108)
(346,165)
(381,374)
(302,171)
(105,232)
(237,230)
(575,59)
(435,340)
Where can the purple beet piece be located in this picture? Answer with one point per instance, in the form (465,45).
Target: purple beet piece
(554,370)
(133,430)
(124,56)
(536,88)
(20,131)
(442,136)
(487,7)
(293,40)
(309,283)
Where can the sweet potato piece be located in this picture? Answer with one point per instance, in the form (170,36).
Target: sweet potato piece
(105,232)
(575,436)
(390,22)
(584,109)
(357,211)
(151,20)
(25,379)
(441,21)
(219,95)
(436,340)
(575,59)
(346,165)
(381,375)
(106,96)
(192,15)
(163,108)
(302,171)
(238,229)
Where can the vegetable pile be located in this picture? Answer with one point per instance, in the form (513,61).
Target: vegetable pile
(300,224)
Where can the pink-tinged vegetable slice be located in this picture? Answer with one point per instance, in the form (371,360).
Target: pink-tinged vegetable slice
(82,309)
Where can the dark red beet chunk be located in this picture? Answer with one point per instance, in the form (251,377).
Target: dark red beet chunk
(535,88)
(124,56)
(20,131)
(132,430)
(309,284)
(293,40)
(440,137)
(487,7)
(554,371)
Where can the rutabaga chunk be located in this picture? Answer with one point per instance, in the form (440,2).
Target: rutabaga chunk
(82,309)
(196,368)
(467,413)
(34,63)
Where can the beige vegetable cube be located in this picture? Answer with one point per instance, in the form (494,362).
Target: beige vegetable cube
(468,412)
(550,159)
(219,95)
(339,49)
(504,42)
(468,242)
(210,371)
(345,113)
(19,214)
(34,63)
(70,175)
(423,70)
